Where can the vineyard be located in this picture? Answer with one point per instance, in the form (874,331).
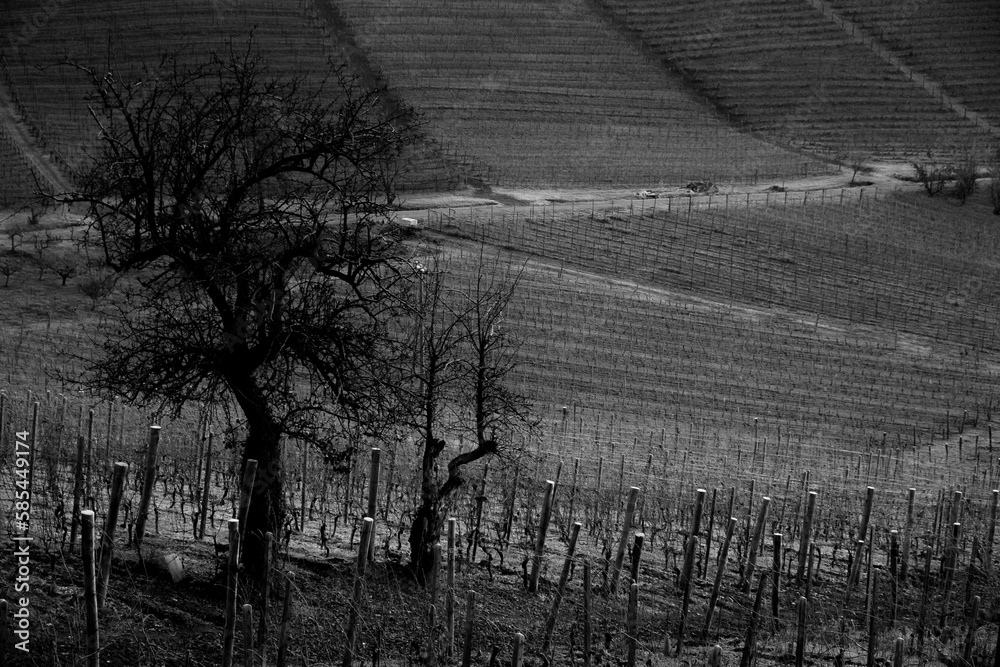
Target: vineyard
(765,402)
(672,345)
(786,69)
(943,42)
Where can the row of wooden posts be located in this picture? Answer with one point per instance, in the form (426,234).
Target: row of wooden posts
(97,573)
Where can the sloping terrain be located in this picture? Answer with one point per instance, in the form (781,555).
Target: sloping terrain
(955,43)
(293,39)
(548,93)
(783,68)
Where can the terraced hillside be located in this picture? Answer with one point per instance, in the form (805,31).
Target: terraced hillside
(293,39)
(839,317)
(956,43)
(16,182)
(532,92)
(784,68)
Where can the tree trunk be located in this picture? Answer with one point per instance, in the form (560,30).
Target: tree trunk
(266,511)
(425,531)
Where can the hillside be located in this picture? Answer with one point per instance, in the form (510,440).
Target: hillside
(533,93)
(52,99)
(784,68)
(956,43)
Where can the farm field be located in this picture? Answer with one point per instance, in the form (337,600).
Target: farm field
(785,69)
(945,42)
(666,380)
(765,384)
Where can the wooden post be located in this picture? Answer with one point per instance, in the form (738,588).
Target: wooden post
(205,490)
(229,629)
(149,479)
(432,656)
(637,542)
(758,531)
(633,496)
(587,629)
(715,654)
(872,609)
(509,519)
(750,647)
(699,508)
(470,628)
(800,634)
(449,593)
(904,557)
(573,489)
(302,490)
(775,573)
(632,623)
(922,613)
(286,617)
(970,636)
(550,622)
(992,530)
(5,629)
(108,538)
(950,563)
(248,651)
(359,577)
(262,626)
(88,478)
(246,491)
(996,650)
(543,528)
(518,653)
(804,539)
(89,589)
(77,492)
(708,535)
(855,572)
(720,570)
(690,551)
(373,478)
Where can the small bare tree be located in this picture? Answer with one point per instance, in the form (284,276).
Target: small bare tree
(96,285)
(8,267)
(64,265)
(458,382)
(966,175)
(857,155)
(40,243)
(16,235)
(931,177)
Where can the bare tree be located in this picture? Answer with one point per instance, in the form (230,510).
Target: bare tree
(8,267)
(96,285)
(16,235)
(966,176)
(40,243)
(857,154)
(932,177)
(458,384)
(64,265)
(248,219)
